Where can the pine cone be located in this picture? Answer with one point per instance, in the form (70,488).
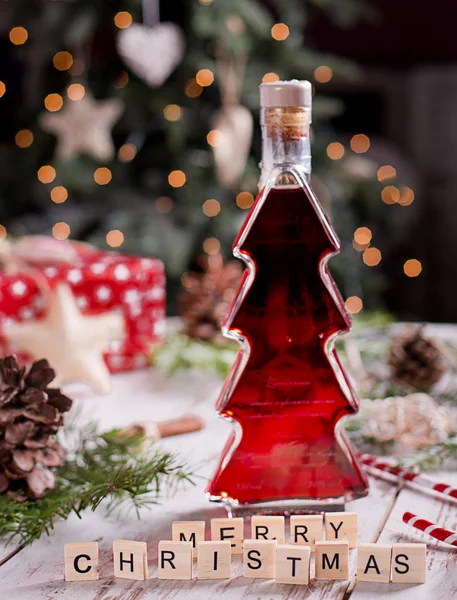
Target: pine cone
(416,360)
(30,416)
(206,298)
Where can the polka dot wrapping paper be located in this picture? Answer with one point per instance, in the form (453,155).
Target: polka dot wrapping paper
(101,282)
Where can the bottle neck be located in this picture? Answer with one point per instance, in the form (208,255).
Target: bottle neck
(285,140)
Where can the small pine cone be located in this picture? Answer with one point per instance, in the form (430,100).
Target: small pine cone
(30,415)
(415,360)
(206,297)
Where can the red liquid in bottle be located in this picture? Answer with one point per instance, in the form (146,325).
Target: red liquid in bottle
(292,391)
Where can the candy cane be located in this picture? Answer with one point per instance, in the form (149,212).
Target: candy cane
(439,533)
(407,475)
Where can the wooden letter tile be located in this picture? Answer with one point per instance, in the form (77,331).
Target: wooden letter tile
(130,559)
(341,526)
(292,564)
(229,529)
(409,563)
(175,560)
(214,560)
(332,560)
(259,558)
(81,561)
(306,530)
(373,562)
(188,531)
(268,528)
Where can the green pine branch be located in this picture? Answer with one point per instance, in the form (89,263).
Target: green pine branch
(108,467)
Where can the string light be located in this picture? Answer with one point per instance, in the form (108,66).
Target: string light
(360,143)
(76,91)
(354,304)
(214,137)
(24,138)
(18,36)
(406,196)
(46,174)
(115,238)
(164,205)
(270,77)
(53,102)
(177,178)
(61,230)
(193,89)
(127,152)
(204,77)
(244,200)
(102,175)
(280,32)
(211,208)
(122,80)
(211,246)
(363,236)
(2,89)
(172,112)
(372,257)
(62,60)
(390,194)
(59,194)
(123,19)
(412,267)
(323,74)
(2,233)
(335,150)
(386,172)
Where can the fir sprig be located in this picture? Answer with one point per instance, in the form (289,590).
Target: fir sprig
(100,467)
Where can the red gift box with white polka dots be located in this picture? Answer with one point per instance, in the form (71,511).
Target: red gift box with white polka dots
(101,281)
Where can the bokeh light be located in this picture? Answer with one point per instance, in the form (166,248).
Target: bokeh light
(354,304)
(406,196)
(123,19)
(18,35)
(46,174)
(177,178)
(244,200)
(204,77)
(61,230)
(390,194)
(127,152)
(2,232)
(172,112)
(76,91)
(214,137)
(412,267)
(335,150)
(363,236)
(164,205)
(323,74)
(122,80)
(62,60)
(372,257)
(211,207)
(280,32)
(270,77)
(386,172)
(102,175)
(53,102)
(193,89)
(360,143)
(115,238)
(59,194)
(211,245)
(2,89)
(24,138)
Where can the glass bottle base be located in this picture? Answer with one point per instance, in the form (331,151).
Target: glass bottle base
(282,507)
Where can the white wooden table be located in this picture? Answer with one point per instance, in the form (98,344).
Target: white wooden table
(36,572)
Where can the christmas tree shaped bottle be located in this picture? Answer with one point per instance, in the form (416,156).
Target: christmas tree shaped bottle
(287,392)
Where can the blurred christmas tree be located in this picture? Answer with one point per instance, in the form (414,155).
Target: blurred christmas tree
(127,132)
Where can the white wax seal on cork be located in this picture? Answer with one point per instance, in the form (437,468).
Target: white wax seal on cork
(286,93)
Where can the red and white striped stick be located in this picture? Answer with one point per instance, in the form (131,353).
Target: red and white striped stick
(439,533)
(378,465)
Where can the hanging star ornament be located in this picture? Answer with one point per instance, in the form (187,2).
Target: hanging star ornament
(71,342)
(84,126)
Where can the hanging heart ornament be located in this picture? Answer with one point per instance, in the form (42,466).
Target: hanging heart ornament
(152,53)
(234,124)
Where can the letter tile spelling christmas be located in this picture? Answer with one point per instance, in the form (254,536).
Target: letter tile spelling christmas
(287,391)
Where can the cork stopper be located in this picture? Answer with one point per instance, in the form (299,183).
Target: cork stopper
(279,94)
